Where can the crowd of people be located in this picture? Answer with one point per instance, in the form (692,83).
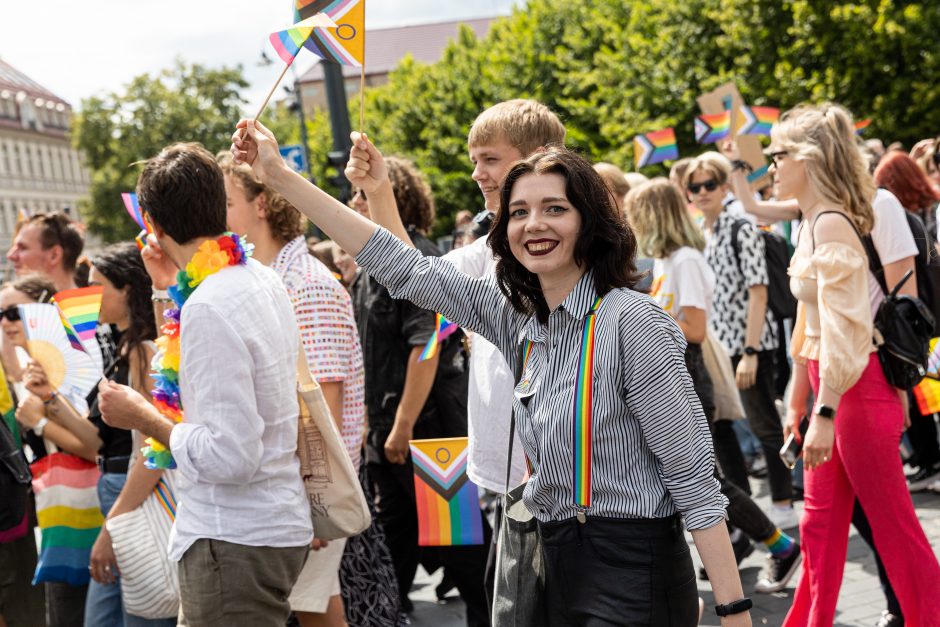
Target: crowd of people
(654,342)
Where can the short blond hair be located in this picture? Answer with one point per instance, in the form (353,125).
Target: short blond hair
(526,125)
(712,163)
(614,178)
(823,138)
(659,217)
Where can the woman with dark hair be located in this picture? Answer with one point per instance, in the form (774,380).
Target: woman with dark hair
(605,409)
(125,483)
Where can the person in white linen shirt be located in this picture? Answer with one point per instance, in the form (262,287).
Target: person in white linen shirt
(243,528)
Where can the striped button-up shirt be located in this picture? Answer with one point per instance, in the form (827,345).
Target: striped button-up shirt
(652,452)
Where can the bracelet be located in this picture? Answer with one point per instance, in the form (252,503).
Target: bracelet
(735,607)
(161,296)
(52,397)
(40,426)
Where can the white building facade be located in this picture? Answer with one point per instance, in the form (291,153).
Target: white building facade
(40,171)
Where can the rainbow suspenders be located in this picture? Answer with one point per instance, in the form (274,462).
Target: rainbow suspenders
(583,413)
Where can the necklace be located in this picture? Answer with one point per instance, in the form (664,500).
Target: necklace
(213,255)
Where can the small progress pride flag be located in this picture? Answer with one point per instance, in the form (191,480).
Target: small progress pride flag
(448,502)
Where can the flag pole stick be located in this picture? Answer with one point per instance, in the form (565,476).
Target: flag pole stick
(362,95)
(271,93)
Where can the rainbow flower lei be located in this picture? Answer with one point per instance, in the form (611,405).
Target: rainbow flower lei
(212,256)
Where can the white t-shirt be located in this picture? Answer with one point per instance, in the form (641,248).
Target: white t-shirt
(684,279)
(489,405)
(892,238)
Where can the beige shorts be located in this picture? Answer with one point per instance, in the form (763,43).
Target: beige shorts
(319,580)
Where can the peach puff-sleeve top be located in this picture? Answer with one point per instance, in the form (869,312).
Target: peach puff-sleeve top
(831,284)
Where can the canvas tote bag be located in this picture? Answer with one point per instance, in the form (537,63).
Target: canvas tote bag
(149,579)
(727,398)
(337,505)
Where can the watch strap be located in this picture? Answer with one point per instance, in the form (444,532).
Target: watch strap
(825,411)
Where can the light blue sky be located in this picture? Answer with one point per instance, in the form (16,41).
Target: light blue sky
(82,48)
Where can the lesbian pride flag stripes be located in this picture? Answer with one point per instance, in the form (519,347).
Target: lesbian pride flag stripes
(448,502)
(69,517)
(655,147)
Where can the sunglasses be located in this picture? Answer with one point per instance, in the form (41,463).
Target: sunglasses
(11,313)
(710,185)
(775,155)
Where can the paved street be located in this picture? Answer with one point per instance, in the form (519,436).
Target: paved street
(860,602)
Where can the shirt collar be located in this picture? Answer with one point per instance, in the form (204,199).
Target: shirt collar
(576,305)
(287,256)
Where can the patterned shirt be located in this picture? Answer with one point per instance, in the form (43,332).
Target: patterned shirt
(735,272)
(652,453)
(325,317)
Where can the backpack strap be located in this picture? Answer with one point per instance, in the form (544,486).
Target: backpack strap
(874,260)
(735,229)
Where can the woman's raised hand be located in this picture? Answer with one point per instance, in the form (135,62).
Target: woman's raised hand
(255,145)
(36,381)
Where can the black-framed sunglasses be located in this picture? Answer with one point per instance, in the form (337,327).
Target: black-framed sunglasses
(11,313)
(775,155)
(710,185)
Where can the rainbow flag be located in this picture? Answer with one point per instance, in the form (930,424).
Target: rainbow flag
(655,147)
(345,42)
(712,127)
(288,42)
(927,395)
(448,502)
(443,329)
(133,209)
(757,120)
(69,517)
(861,125)
(80,308)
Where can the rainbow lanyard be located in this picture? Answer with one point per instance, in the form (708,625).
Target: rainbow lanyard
(583,422)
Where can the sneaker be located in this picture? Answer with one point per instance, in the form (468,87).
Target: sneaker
(921,479)
(778,571)
(935,486)
(742,547)
(783,516)
(889,620)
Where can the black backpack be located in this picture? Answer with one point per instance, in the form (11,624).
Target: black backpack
(904,323)
(780,299)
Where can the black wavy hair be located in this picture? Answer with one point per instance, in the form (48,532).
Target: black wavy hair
(605,244)
(122,265)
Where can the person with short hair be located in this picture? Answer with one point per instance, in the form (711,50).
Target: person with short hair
(331,344)
(613,547)
(49,244)
(850,448)
(243,528)
(743,322)
(615,180)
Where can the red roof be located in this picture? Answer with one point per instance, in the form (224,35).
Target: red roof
(14,81)
(385,47)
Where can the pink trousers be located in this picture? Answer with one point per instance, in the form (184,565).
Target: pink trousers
(865,463)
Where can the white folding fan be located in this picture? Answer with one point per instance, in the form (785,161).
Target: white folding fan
(71,372)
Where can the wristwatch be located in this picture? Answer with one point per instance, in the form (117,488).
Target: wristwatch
(750,350)
(40,426)
(824,411)
(735,607)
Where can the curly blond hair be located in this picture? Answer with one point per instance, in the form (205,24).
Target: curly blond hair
(285,221)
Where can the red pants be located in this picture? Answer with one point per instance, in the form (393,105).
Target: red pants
(865,462)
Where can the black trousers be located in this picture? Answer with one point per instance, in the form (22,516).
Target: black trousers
(860,521)
(762,413)
(396,509)
(613,571)
(923,436)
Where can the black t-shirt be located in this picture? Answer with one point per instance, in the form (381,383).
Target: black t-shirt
(114,442)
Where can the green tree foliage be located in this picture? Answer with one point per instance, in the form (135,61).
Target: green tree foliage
(119,130)
(614,68)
